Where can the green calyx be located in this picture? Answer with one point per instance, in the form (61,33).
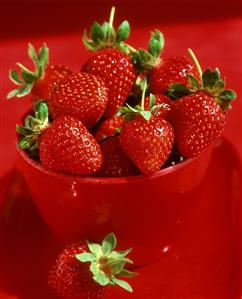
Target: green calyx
(132,112)
(144,60)
(105,36)
(25,79)
(210,82)
(106,264)
(32,128)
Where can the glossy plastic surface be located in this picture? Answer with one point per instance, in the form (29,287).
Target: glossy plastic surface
(134,208)
(203,261)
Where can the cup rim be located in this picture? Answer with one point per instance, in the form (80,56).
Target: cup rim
(107,180)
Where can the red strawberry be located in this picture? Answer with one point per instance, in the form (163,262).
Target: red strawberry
(172,70)
(162,105)
(45,85)
(115,162)
(64,145)
(148,143)
(72,277)
(111,61)
(117,71)
(80,95)
(43,80)
(198,117)
(109,127)
(197,120)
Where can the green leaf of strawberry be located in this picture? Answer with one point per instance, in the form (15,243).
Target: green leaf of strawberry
(96,32)
(144,60)
(156,43)
(178,90)
(123,32)
(28,78)
(109,244)
(123,284)
(107,264)
(210,83)
(33,126)
(105,36)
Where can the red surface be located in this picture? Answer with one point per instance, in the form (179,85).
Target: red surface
(204,262)
(90,207)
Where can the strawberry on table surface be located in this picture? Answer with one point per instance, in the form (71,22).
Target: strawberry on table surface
(64,145)
(115,162)
(41,82)
(80,95)
(84,270)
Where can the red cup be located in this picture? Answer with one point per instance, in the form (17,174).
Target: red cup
(143,211)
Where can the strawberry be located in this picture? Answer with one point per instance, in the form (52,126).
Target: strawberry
(146,139)
(80,95)
(111,61)
(43,80)
(46,84)
(162,106)
(148,143)
(84,270)
(109,127)
(171,70)
(64,145)
(198,114)
(115,162)
(117,71)
(197,120)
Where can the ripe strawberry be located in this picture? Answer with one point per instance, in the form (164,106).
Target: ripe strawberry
(161,107)
(42,81)
(46,84)
(117,71)
(198,115)
(147,139)
(148,143)
(72,277)
(80,95)
(111,61)
(171,70)
(64,145)
(197,120)
(115,162)
(109,127)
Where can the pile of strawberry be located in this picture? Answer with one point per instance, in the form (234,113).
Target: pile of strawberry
(126,112)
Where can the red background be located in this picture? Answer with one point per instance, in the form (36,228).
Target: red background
(211,28)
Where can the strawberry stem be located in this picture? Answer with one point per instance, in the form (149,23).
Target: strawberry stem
(194,58)
(111,17)
(143,94)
